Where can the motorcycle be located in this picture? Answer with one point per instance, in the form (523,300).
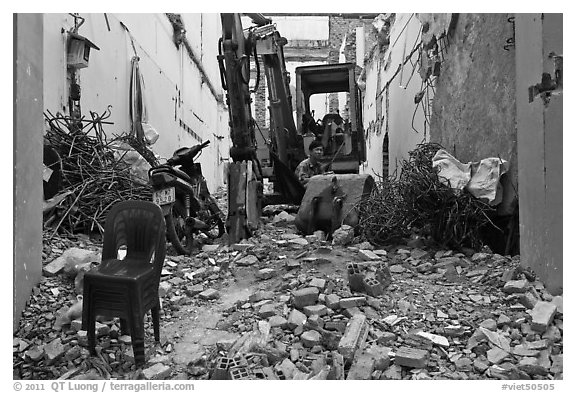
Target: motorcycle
(180,189)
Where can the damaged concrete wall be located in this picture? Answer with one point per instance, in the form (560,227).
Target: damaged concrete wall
(28,120)
(474,114)
(392,82)
(467,101)
(183,100)
(480,84)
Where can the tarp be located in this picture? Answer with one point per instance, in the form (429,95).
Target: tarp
(139,125)
(481,179)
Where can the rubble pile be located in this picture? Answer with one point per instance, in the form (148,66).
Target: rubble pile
(416,200)
(311,309)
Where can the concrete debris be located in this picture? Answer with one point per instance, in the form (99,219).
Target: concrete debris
(354,337)
(284,218)
(157,371)
(283,306)
(515,286)
(248,260)
(411,357)
(343,235)
(542,315)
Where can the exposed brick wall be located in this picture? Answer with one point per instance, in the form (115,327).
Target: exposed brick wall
(345,28)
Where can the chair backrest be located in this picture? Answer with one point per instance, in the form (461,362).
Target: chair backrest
(140,227)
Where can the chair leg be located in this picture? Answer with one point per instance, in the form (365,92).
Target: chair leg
(137,329)
(85,307)
(88,317)
(156,322)
(91,330)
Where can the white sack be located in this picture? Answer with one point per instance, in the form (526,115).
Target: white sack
(481,179)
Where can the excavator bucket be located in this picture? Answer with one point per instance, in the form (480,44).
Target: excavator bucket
(331,201)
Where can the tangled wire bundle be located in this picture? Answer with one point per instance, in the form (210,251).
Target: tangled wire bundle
(92,174)
(416,201)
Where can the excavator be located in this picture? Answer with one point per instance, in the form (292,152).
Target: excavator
(328,200)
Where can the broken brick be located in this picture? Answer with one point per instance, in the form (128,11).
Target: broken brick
(261,295)
(315,320)
(350,312)
(317,309)
(368,255)
(362,367)
(240,373)
(265,274)
(267,310)
(542,315)
(373,287)
(310,338)
(350,302)
(386,338)
(278,321)
(489,324)
(209,294)
(319,283)
(355,278)
(515,286)
(411,357)
(53,351)
(295,319)
(354,337)
(531,366)
(528,300)
(339,326)
(157,371)
(332,301)
(305,297)
(496,355)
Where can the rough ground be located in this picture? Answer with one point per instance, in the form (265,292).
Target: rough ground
(247,312)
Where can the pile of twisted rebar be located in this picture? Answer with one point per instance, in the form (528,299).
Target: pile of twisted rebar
(415,201)
(94,175)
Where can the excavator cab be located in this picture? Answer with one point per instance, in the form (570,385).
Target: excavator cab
(331,88)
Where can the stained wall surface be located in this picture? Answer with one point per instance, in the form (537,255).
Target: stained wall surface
(182,94)
(474,107)
(184,103)
(28,123)
(392,82)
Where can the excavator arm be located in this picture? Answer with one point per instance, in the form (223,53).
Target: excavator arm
(245,174)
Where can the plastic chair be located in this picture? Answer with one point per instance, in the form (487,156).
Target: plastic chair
(127,288)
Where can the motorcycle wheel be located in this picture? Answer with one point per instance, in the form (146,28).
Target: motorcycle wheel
(216,224)
(177,232)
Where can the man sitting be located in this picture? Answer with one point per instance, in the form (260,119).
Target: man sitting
(311,166)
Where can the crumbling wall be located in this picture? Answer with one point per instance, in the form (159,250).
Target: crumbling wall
(392,81)
(343,42)
(473,112)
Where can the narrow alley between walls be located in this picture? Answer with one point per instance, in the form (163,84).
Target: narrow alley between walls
(363,196)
